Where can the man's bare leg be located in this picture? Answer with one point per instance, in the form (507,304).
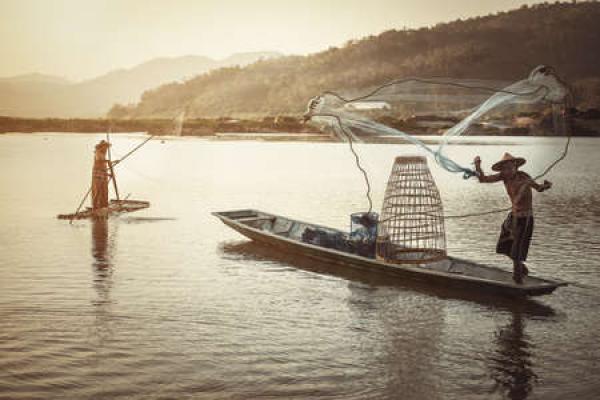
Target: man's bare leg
(517,271)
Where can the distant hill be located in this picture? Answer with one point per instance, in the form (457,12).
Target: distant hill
(35,79)
(503,46)
(37,95)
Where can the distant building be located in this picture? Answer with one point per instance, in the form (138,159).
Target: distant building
(369,105)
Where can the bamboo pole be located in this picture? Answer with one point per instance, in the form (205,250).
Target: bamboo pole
(110,167)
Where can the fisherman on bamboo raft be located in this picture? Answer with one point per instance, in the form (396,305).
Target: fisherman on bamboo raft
(517,228)
(100,178)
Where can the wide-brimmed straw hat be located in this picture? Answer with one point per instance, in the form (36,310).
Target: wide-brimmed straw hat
(506,158)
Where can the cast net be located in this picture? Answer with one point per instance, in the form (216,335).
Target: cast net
(412,107)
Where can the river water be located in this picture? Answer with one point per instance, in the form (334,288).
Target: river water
(170,303)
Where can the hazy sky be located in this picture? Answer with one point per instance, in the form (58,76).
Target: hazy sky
(79,39)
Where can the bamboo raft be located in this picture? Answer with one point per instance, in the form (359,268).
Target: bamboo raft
(102,174)
(115,207)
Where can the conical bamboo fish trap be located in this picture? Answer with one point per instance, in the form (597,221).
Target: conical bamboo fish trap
(411,228)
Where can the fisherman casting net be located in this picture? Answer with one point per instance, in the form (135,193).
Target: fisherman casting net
(411,107)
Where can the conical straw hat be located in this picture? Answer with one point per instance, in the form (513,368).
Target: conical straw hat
(506,158)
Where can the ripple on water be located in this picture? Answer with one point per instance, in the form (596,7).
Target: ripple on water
(183,307)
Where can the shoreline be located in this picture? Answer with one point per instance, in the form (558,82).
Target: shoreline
(282,128)
(479,140)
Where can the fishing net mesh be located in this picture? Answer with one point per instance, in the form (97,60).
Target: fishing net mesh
(408,108)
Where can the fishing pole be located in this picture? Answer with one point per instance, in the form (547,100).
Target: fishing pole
(80,204)
(178,126)
(112,164)
(117,162)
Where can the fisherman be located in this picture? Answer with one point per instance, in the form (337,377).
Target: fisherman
(517,228)
(100,177)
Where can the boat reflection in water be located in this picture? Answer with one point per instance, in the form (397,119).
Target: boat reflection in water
(510,357)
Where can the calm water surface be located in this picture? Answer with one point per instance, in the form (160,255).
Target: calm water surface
(187,308)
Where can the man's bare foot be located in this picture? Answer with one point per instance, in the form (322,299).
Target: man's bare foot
(517,278)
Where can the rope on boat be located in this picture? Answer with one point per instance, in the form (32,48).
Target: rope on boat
(358,164)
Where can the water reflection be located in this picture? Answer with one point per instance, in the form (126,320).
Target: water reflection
(511,364)
(100,245)
(389,327)
(102,252)
(254,251)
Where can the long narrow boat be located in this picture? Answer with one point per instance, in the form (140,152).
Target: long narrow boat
(286,234)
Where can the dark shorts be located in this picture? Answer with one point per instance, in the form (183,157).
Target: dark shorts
(515,237)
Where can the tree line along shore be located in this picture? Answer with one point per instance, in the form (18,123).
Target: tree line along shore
(582,123)
(156,126)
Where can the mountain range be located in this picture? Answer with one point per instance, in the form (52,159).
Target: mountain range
(504,46)
(38,95)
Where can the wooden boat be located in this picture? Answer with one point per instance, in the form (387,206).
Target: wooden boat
(115,207)
(286,234)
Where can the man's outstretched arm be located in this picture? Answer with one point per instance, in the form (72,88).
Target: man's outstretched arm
(483,178)
(540,188)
